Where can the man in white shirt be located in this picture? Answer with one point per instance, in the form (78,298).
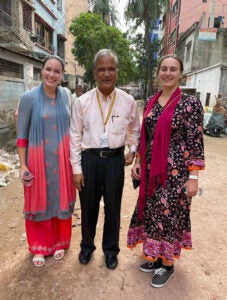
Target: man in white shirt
(104,121)
(78,92)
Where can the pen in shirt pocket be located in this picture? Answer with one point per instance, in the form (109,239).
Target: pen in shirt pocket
(114,116)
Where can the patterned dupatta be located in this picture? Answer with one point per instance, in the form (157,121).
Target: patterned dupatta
(35,195)
(162,133)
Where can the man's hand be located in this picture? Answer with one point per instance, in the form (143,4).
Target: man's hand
(129,158)
(78,181)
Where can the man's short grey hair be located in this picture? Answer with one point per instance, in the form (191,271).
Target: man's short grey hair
(105,52)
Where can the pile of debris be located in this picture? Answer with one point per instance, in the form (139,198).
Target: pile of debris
(9,166)
(8,129)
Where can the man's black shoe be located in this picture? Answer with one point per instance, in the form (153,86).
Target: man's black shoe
(111,262)
(84,257)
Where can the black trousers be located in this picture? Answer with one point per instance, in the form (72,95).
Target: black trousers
(103,177)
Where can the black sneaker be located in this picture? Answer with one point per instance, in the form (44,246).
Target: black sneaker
(150,266)
(161,276)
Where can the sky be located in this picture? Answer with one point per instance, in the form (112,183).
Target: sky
(120,6)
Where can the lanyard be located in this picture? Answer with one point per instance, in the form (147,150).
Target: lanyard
(110,109)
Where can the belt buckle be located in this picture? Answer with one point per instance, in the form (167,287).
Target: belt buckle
(102,154)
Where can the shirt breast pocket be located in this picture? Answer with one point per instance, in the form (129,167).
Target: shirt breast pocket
(119,126)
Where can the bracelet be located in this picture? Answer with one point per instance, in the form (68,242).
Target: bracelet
(193,177)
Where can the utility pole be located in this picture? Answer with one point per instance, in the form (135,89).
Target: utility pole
(212,14)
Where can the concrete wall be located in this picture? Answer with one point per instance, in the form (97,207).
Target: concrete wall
(206,66)
(208,53)
(206,81)
(12,88)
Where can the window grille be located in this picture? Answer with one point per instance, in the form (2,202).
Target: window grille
(44,33)
(36,74)
(27,17)
(11,69)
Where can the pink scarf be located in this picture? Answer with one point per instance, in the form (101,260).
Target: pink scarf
(158,168)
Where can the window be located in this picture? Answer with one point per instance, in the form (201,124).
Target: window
(36,74)
(173,36)
(188,51)
(44,33)
(175,7)
(59,4)
(207,103)
(5,13)
(197,94)
(27,17)
(61,47)
(219,21)
(163,21)
(204,1)
(11,69)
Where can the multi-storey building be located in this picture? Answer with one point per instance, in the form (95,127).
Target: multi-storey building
(29,31)
(74,72)
(183,14)
(196,31)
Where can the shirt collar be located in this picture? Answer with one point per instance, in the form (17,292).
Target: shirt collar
(104,98)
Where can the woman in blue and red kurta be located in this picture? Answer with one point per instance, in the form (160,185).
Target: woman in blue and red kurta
(170,157)
(43,148)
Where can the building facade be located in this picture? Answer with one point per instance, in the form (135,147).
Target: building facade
(29,31)
(205,63)
(196,31)
(73,72)
(183,14)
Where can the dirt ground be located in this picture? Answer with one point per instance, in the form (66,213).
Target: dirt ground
(200,274)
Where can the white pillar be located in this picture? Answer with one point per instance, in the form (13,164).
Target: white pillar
(212,14)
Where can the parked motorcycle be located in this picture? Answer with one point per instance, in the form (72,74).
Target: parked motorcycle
(214,124)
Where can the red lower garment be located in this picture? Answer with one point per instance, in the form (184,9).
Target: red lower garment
(45,237)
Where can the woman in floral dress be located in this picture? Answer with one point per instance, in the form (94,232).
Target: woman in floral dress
(167,165)
(43,148)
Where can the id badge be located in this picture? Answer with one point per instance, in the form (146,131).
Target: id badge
(104,140)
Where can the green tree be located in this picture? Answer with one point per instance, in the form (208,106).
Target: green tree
(146,13)
(91,35)
(107,10)
(140,57)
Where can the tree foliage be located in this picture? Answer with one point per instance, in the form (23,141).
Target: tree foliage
(92,34)
(146,13)
(107,10)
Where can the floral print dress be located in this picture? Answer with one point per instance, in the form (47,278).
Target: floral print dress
(166,228)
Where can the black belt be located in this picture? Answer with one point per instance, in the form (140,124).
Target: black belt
(105,152)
